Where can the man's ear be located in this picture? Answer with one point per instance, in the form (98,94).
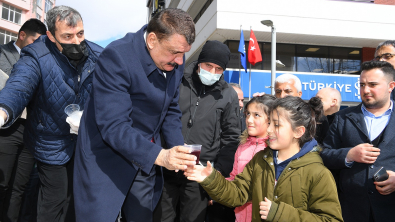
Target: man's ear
(50,36)
(392,85)
(151,40)
(22,35)
(299,131)
(334,102)
(300,94)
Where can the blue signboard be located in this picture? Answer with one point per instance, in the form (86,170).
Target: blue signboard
(348,85)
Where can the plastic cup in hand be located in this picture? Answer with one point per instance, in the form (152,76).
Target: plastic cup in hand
(195,150)
(70,109)
(73,111)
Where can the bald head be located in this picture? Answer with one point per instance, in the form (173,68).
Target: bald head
(331,100)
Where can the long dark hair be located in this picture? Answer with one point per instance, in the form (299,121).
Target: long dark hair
(301,113)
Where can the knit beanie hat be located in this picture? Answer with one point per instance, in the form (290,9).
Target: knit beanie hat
(215,52)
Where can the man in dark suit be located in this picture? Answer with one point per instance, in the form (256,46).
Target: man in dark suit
(15,161)
(359,142)
(134,99)
(28,33)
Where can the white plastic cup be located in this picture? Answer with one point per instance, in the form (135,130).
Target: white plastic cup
(195,150)
(70,109)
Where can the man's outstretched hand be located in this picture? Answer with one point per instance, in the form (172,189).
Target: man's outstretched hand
(176,158)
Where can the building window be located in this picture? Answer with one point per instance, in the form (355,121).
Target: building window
(48,5)
(11,14)
(304,58)
(204,8)
(38,16)
(6,37)
(39,3)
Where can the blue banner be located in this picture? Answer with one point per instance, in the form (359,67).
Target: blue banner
(242,50)
(348,85)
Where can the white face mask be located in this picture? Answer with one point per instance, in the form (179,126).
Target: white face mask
(208,78)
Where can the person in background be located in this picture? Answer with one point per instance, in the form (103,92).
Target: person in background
(253,140)
(287,85)
(286,181)
(331,101)
(360,141)
(210,117)
(385,51)
(240,95)
(16,163)
(53,72)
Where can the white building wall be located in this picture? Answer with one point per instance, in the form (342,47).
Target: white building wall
(315,22)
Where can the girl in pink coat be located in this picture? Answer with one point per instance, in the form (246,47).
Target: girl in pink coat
(252,140)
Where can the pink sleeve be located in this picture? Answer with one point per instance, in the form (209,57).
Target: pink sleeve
(235,166)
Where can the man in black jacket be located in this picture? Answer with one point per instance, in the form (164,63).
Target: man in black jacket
(210,117)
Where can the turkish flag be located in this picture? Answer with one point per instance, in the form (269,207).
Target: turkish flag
(254,53)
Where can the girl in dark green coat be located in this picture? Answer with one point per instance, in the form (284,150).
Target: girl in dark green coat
(287,182)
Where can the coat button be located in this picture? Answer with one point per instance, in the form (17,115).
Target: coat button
(289,169)
(275,197)
(370,192)
(271,163)
(265,156)
(371,166)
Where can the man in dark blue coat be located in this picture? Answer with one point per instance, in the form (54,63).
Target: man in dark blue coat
(134,100)
(360,141)
(53,72)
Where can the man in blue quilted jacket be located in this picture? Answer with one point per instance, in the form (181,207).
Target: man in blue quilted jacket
(53,72)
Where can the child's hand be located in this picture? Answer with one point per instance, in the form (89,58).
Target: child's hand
(264,207)
(198,173)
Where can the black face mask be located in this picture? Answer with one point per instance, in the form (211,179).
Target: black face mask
(73,51)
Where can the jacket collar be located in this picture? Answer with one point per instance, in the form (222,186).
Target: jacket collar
(13,50)
(356,116)
(307,147)
(389,131)
(309,158)
(252,140)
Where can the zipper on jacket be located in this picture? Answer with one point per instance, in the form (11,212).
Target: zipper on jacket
(192,118)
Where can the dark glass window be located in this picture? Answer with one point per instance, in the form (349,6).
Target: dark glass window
(234,54)
(303,58)
(204,8)
(11,14)
(6,36)
(285,54)
(345,60)
(5,12)
(312,59)
(48,5)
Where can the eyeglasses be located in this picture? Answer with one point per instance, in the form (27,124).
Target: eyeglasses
(385,56)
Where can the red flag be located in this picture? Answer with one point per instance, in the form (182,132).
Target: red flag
(254,53)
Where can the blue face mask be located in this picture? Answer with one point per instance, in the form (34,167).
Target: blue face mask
(208,78)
